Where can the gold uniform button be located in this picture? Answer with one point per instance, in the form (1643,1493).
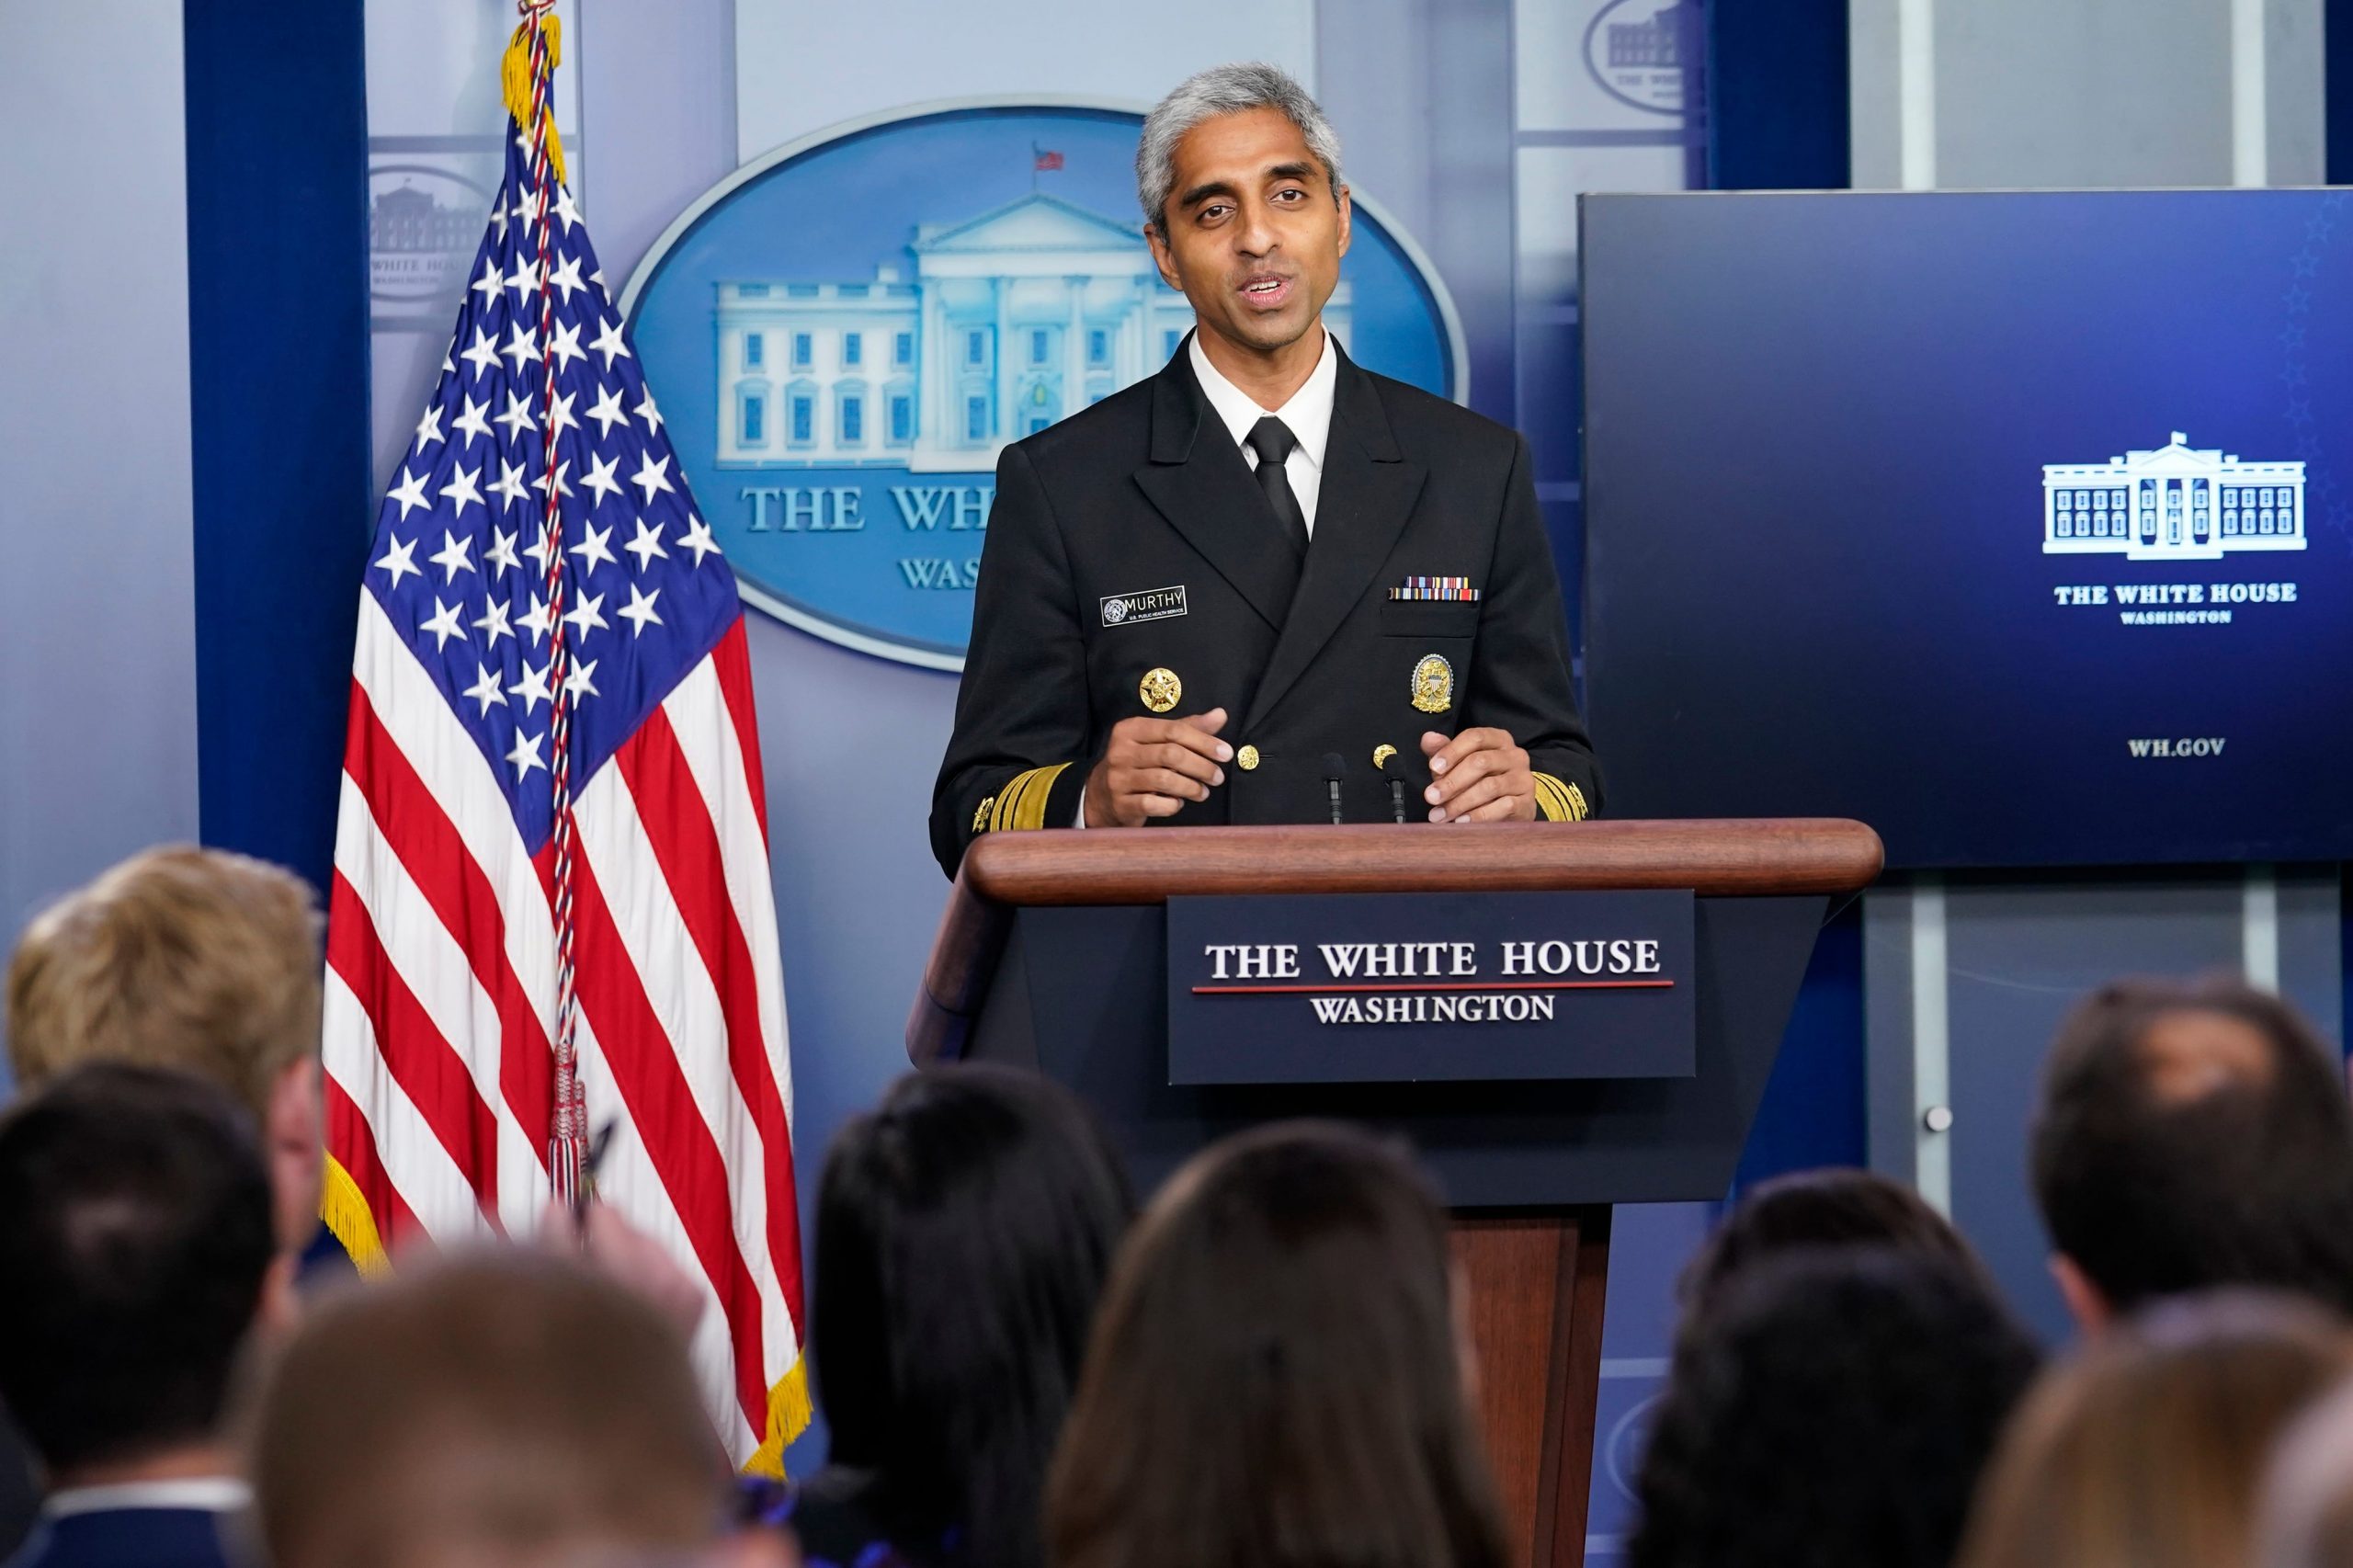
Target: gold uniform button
(1160,690)
(1248,757)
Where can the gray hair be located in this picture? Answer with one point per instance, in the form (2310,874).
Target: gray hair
(1224,89)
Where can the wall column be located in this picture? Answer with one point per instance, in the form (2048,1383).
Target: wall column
(1001,419)
(1074,349)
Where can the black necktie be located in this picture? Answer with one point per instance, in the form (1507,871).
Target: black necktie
(1272,441)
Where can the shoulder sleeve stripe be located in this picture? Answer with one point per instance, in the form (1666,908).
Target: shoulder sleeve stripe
(1034,795)
(1022,803)
(1559,801)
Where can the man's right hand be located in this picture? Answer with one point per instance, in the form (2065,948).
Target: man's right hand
(1154,766)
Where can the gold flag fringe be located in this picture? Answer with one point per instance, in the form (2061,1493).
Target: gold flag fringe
(345,1209)
(789,1413)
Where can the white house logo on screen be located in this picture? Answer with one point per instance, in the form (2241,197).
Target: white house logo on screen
(2175,503)
(1647,53)
(1007,321)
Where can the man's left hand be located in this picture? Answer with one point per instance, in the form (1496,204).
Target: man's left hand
(1479,776)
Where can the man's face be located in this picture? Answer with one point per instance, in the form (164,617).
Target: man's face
(296,1136)
(1254,235)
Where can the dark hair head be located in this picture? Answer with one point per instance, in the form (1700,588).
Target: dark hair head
(2195,1135)
(135,1240)
(1275,1382)
(964,1231)
(1833,1410)
(1824,1209)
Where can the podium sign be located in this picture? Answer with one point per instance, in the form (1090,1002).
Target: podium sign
(1456,986)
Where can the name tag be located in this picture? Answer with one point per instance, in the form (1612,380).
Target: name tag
(1148,604)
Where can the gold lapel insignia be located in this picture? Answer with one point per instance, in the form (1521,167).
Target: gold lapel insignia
(1433,683)
(1160,688)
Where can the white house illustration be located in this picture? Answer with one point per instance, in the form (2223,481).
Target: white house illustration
(1011,319)
(2178,502)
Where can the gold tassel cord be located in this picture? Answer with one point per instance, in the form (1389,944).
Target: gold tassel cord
(515,80)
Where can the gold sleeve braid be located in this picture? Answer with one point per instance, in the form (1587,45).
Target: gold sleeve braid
(1022,803)
(1558,801)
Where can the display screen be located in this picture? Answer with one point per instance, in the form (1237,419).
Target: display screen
(2016,525)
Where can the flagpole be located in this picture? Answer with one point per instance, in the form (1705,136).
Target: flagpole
(567,1133)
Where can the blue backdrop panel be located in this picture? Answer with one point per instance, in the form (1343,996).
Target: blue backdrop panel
(1776,95)
(277,350)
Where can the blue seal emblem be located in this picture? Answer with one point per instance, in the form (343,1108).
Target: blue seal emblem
(846,333)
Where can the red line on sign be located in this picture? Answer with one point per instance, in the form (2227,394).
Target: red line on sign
(1446,986)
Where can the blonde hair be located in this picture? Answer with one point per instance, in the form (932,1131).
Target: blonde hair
(2148,1450)
(179,957)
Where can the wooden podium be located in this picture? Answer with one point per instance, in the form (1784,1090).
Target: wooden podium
(1052,957)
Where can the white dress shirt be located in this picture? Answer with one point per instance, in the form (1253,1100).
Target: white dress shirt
(1309,414)
(204,1493)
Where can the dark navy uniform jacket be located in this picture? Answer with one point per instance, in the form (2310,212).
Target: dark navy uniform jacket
(1130,543)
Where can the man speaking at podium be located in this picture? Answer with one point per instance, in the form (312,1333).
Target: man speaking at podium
(1263,586)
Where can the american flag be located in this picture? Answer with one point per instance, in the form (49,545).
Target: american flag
(476,925)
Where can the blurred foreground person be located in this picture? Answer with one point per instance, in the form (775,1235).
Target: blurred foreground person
(1278,1379)
(1828,1208)
(2305,1516)
(138,1258)
(964,1230)
(2187,1137)
(502,1408)
(2147,1450)
(193,958)
(209,963)
(1834,1410)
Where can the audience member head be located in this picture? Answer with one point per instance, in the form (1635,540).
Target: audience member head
(2147,1449)
(1278,1380)
(1834,1409)
(504,1408)
(191,959)
(1816,1209)
(964,1231)
(137,1252)
(2190,1136)
(2304,1519)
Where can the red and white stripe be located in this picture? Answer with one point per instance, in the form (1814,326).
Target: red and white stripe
(441,999)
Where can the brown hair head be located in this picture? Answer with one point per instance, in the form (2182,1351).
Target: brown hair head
(2190,1136)
(178,956)
(2147,1449)
(500,1407)
(1274,1380)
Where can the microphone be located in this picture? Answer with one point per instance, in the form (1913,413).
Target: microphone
(1381,758)
(1332,767)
